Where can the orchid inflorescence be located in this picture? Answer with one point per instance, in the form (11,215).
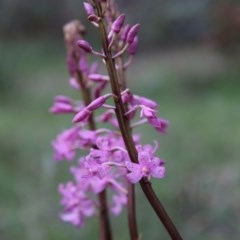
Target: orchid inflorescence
(116,157)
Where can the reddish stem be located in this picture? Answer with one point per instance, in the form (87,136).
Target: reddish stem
(126,131)
(105,228)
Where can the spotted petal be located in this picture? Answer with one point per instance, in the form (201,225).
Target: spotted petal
(158,172)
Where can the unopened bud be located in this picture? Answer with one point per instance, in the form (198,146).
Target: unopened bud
(98,102)
(125,32)
(146,101)
(88,8)
(98,77)
(63,99)
(133,46)
(132,33)
(118,23)
(83,115)
(62,104)
(84,45)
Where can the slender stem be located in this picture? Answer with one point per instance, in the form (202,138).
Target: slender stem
(126,133)
(124,126)
(105,229)
(121,73)
(104,220)
(118,46)
(159,209)
(131,206)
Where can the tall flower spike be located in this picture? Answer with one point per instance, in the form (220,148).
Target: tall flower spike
(114,155)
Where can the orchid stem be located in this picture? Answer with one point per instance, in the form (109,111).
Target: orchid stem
(105,228)
(126,131)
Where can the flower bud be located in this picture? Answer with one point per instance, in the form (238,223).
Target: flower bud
(84,45)
(118,23)
(147,112)
(132,33)
(159,124)
(146,101)
(83,115)
(63,99)
(98,102)
(62,104)
(98,77)
(126,96)
(125,32)
(88,8)
(133,46)
(60,108)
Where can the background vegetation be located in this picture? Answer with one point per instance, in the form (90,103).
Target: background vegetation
(188,61)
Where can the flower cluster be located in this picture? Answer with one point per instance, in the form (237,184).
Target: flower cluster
(107,164)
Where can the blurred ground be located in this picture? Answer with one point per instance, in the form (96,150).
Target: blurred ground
(197,89)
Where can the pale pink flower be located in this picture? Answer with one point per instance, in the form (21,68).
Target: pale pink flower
(65,144)
(147,167)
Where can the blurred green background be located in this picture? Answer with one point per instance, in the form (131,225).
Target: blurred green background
(188,61)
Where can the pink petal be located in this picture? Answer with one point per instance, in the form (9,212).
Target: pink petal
(134,177)
(73,217)
(132,166)
(144,158)
(158,172)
